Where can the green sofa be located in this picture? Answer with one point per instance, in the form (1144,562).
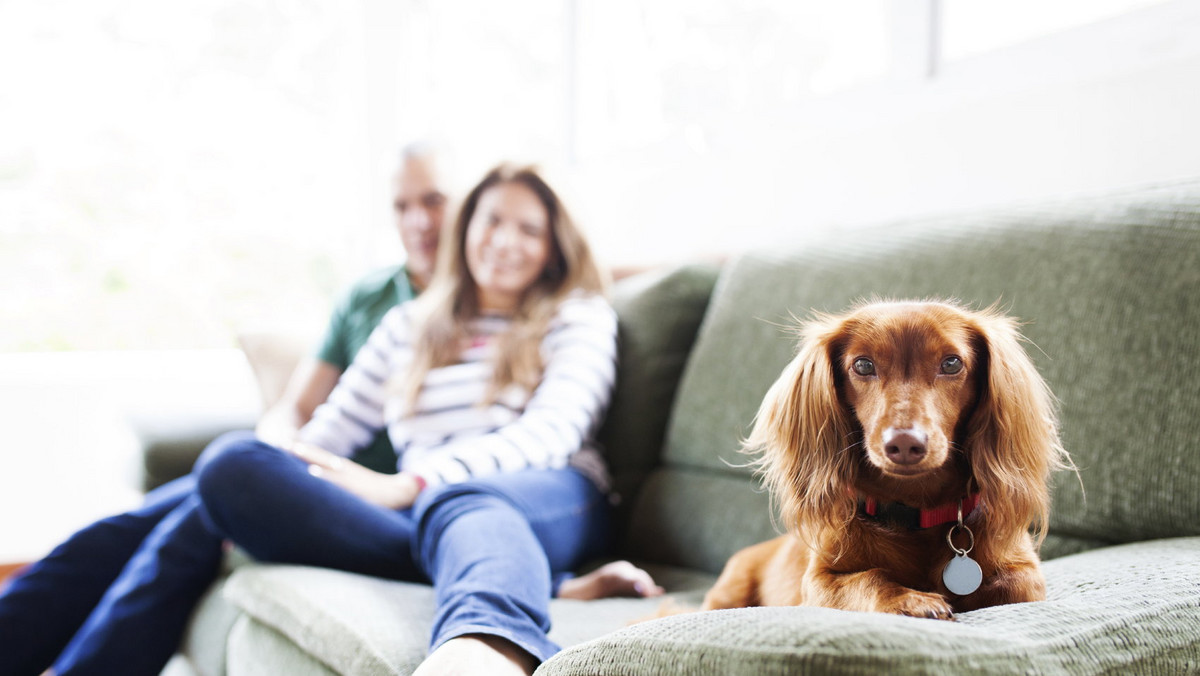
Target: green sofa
(1109,288)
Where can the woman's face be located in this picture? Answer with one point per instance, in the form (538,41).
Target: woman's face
(508,244)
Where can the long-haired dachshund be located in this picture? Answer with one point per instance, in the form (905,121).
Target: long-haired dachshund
(908,447)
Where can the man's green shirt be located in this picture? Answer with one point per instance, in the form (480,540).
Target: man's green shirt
(355,316)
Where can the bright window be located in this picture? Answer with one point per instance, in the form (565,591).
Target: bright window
(170,172)
(677,72)
(573,80)
(488,80)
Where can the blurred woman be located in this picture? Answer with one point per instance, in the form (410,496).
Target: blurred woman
(490,385)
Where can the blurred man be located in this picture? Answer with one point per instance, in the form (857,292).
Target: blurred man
(419,205)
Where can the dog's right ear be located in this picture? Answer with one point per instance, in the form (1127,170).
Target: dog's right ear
(802,431)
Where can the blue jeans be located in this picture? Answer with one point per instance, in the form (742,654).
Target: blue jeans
(491,547)
(114,598)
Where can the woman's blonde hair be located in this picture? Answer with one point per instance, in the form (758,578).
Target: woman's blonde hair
(445,308)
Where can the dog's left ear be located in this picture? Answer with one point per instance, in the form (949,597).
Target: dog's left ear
(1013,442)
(802,430)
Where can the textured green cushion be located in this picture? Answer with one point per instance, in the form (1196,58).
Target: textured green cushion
(1109,288)
(181,666)
(258,649)
(207,636)
(658,317)
(354,624)
(667,530)
(1133,609)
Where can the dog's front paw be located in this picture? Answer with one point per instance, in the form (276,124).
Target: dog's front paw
(921,604)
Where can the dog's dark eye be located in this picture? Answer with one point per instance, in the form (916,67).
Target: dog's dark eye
(951,365)
(864,366)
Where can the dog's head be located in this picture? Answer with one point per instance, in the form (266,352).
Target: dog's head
(905,397)
(910,374)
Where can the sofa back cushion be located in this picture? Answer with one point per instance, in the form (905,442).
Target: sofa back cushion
(1109,288)
(658,316)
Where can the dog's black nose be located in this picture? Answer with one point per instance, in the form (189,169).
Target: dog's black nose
(904,446)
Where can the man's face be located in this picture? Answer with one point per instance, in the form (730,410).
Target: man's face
(420,207)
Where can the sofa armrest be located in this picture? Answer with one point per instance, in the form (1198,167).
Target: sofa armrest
(174,427)
(170,441)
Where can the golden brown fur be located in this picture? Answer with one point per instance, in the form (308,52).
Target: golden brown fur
(988,428)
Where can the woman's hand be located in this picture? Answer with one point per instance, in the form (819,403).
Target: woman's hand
(277,427)
(392,491)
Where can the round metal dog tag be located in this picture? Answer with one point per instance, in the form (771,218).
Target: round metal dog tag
(962,575)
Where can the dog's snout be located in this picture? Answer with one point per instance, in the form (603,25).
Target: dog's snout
(904,446)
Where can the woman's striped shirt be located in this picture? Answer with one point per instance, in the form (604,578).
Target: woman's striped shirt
(452,435)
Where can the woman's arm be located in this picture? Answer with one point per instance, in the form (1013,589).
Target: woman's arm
(354,410)
(580,350)
(309,387)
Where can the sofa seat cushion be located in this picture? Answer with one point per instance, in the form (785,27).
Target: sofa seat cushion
(352,624)
(255,648)
(1129,609)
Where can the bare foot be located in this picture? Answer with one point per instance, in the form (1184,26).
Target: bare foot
(619,578)
(476,654)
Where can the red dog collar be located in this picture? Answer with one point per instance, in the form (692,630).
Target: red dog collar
(913,518)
